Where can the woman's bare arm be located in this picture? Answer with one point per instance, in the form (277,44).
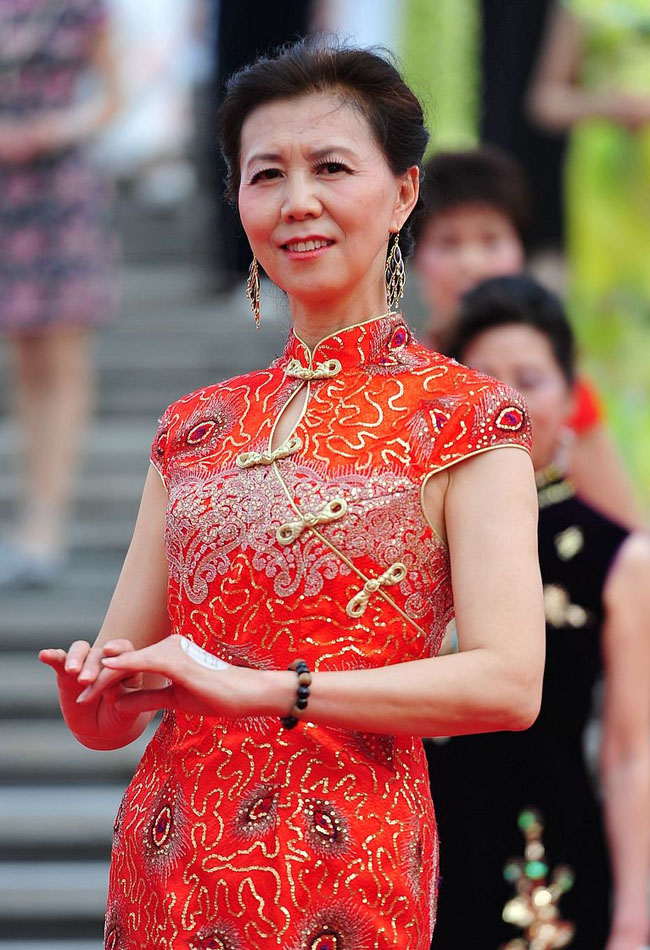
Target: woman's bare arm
(625,753)
(137,614)
(493,683)
(557,99)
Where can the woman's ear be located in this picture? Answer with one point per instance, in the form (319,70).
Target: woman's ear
(407,197)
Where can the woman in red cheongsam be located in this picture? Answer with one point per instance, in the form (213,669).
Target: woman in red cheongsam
(315,510)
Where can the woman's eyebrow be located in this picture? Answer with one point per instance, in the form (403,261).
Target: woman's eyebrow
(263,157)
(322,152)
(313,155)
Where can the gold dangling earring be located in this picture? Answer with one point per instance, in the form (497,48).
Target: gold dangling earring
(253,290)
(395,274)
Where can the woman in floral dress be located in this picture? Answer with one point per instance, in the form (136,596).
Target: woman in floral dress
(57,263)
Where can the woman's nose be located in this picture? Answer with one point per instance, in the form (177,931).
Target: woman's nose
(472,261)
(300,200)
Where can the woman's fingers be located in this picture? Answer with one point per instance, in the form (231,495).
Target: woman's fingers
(145,700)
(93,665)
(164,657)
(115,647)
(77,653)
(107,679)
(54,658)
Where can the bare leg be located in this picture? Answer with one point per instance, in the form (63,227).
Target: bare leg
(54,396)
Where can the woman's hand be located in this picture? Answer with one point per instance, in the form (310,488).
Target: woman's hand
(97,723)
(197,685)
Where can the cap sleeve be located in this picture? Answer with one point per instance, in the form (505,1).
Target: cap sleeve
(490,416)
(159,455)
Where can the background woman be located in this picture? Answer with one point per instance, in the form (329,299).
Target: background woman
(56,267)
(594,80)
(595,579)
(315,509)
(475,224)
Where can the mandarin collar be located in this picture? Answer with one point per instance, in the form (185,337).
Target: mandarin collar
(371,343)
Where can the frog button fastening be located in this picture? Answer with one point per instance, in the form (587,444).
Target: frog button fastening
(394,575)
(326,370)
(291,446)
(332,511)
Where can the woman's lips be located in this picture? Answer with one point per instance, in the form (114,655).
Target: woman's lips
(307,249)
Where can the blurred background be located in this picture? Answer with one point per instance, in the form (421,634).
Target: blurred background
(153,307)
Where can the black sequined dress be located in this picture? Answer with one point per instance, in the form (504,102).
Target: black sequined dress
(480,783)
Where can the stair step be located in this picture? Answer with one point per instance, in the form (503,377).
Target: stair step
(98,494)
(54,815)
(51,944)
(45,749)
(39,619)
(113,446)
(27,688)
(52,889)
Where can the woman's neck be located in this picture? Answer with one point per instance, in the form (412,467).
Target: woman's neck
(313,321)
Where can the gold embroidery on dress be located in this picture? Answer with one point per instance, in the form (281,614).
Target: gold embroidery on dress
(393,575)
(332,511)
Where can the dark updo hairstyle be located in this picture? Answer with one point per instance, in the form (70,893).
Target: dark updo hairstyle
(484,175)
(521,300)
(367,80)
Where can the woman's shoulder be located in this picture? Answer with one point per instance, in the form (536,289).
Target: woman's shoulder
(460,412)
(446,377)
(212,392)
(201,416)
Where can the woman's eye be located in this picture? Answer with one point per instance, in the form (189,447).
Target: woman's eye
(530,381)
(265,174)
(332,167)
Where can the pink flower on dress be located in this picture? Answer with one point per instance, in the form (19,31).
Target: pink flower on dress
(72,183)
(22,303)
(19,189)
(79,296)
(78,240)
(59,86)
(25,245)
(69,42)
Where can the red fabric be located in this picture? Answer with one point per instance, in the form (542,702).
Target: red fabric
(238,834)
(588,410)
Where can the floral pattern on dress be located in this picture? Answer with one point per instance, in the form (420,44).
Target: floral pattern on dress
(57,247)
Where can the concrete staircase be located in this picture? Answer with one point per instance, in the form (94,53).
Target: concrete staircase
(58,799)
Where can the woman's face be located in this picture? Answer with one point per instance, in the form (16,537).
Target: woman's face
(522,357)
(458,249)
(318,199)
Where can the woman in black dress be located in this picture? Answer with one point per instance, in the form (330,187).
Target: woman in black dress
(597,596)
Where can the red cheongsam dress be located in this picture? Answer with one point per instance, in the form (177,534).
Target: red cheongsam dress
(237,834)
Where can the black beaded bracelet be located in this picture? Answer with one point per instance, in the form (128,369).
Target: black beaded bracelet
(302,695)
